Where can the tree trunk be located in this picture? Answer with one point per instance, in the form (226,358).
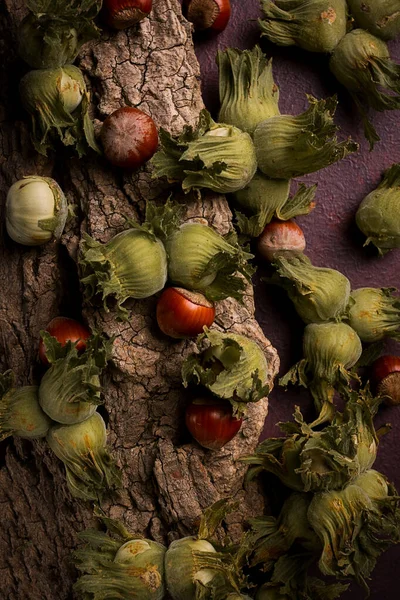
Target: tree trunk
(167,479)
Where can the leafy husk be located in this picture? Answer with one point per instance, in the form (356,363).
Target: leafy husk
(375,314)
(355,526)
(319,294)
(308,460)
(90,470)
(247,90)
(20,412)
(70,389)
(215,156)
(264,198)
(379,17)
(314,25)
(361,62)
(133,264)
(330,351)
(378,215)
(42,96)
(199,258)
(229,365)
(54,32)
(273,537)
(290,146)
(117,564)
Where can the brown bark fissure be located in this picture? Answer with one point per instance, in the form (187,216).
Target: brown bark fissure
(167,480)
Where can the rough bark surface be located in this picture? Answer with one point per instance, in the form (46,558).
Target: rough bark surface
(168,480)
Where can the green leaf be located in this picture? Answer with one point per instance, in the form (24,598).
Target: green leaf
(213,516)
(302,203)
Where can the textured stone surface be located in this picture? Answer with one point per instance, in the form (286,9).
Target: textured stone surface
(168,480)
(332,237)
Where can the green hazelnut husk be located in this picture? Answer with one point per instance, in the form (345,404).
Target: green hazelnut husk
(310,461)
(378,215)
(52,34)
(330,351)
(231,366)
(90,470)
(361,62)
(314,25)
(133,264)
(247,90)
(216,156)
(199,258)
(264,199)
(36,210)
(290,146)
(58,102)
(379,17)
(355,525)
(20,411)
(375,314)
(319,294)
(70,390)
(118,565)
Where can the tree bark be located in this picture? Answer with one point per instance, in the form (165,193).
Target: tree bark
(167,479)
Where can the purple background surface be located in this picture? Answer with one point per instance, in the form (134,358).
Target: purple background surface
(332,237)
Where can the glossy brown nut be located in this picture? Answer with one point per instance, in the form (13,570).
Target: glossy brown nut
(211,422)
(121,14)
(65,330)
(181,313)
(385,379)
(129,138)
(207,14)
(281,237)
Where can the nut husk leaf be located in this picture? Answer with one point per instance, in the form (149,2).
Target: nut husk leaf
(306,588)
(58,102)
(36,210)
(53,33)
(70,389)
(231,366)
(290,146)
(264,198)
(273,538)
(319,294)
(380,17)
(213,516)
(375,314)
(247,90)
(315,25)
(309,460)
(279,456)
(355,526)
(330,350)
(20,412)
(214,155)
(90,470)
(199,258)
(133,264)
(114,567)
(361,62)
(378,215)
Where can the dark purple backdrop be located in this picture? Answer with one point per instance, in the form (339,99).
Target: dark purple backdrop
(332,238)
